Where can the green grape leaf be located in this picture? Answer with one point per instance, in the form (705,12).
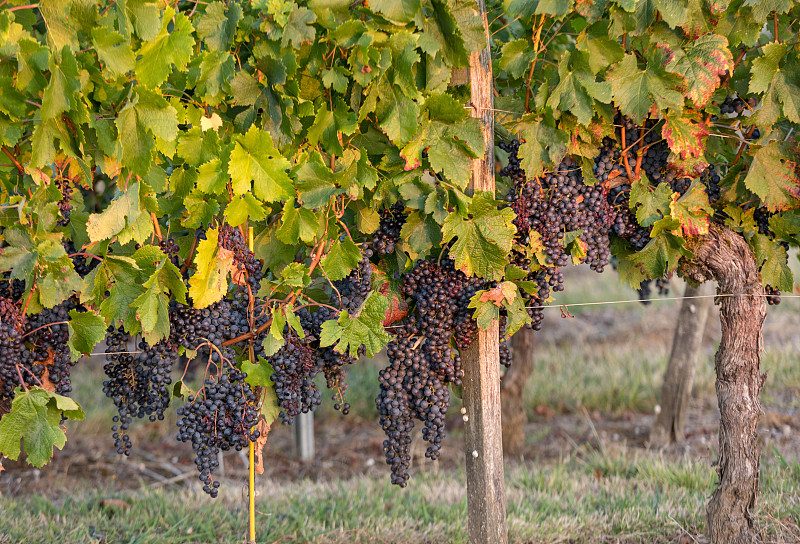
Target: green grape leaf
(254,158)
(341,259)
(168,49)
(773,262)
(35,422)
(482,241)
(217,26)
(299,27)
(113,49)
(544,145)
(297,224)
(635,91)
(364,328)
(260,375)
(124,211)
(400,12)
(209,284)
(86,330)
(242,208)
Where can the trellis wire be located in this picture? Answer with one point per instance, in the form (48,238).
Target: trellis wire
(567,305)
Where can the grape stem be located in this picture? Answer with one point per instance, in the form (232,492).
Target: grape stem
(45,326)
(84,254)
(14,160)
(625,154)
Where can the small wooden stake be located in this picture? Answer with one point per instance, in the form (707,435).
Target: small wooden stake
(486,498)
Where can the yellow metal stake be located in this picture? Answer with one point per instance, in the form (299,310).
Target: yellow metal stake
(251,448)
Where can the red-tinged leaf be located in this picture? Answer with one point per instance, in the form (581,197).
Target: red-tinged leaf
(692,210)
(398,309)
(701,64)
(773,178)
(685,138)
(505,291)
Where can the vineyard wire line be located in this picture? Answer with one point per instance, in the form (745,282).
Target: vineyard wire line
(567,305)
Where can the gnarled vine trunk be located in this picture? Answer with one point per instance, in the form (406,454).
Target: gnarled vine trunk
(724,256)
(512,389)
(679,377)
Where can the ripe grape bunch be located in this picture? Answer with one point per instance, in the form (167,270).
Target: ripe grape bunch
(549,208)
(221,416)
(422,362)
(138,383)
(392,220)
(244,260)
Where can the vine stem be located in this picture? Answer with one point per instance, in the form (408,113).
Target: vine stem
(27,6)
(28,300)
(14,160)
(45,326)
(188,260)
(156,226)
(742,146)
(639,155)
(84,254)
(775,26)
(625,155)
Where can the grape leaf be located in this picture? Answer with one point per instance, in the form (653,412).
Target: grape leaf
(773,178)
(217,26)
(86,330)
(701,63)
(341,259)
(772,260)
(168,49)
(299,27)
(209,283)
(34,420)
(260,375)
(122,212)
(113,49)
(298,224)
(254,158)
(692,210)
(685,137)
(482,241)
(242,208)
(350,332)
(635,90)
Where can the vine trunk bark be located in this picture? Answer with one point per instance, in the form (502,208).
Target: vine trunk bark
(724,256)
(512,387)
(679,377)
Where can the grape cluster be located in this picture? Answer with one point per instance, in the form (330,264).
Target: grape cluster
(138,384)
(645,290)
(709,177)
(554,206)
(295,365)
(83,265)
(608,168)
(388,233)
(773,295)
(735,105)
(333,363)
(220,417)
(352,290)
(170,249)
(422,363)
(46,336)
(11,348)
(244,260)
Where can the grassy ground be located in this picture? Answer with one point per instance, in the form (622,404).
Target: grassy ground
(576,483)
(602,497)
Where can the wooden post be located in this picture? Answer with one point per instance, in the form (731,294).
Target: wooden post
(679,377)
(486,498)
(304,435)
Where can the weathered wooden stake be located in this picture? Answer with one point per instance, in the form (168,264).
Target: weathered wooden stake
(486,498)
